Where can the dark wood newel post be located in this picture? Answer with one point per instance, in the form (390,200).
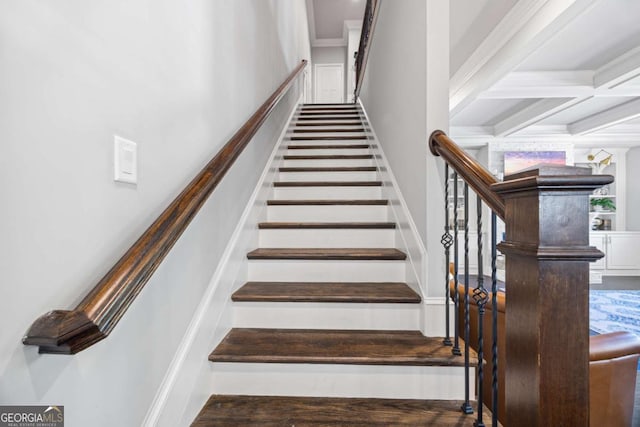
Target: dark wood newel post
(547,274)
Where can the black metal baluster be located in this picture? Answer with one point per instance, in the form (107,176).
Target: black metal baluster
(446,241)
(494,323)
(480,297)
(456,299)
(466,406)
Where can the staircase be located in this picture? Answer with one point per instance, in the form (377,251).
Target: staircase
(326,331)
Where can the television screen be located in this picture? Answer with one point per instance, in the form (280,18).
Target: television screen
(515,161)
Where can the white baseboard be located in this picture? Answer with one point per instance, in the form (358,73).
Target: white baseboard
(185,387)
(435,315)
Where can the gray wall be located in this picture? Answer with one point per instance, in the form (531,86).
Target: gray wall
(406,96)
(633,194)
(179,78)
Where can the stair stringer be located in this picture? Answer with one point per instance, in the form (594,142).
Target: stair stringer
(186,385)
(432,322)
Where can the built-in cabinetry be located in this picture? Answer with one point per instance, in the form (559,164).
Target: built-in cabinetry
(607,210)
(622,254)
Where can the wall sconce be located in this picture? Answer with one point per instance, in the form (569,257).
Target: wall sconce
(605,160)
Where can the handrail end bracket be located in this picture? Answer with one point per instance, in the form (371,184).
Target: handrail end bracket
(63,332)
(433,142)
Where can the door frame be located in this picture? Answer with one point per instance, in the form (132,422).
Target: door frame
(315,78)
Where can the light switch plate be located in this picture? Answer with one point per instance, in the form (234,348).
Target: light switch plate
(125,160)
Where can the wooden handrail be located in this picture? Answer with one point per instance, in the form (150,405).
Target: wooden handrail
(70,331)
(368,27)
(472,172)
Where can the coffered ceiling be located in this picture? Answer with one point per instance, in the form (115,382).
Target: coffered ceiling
(559,70)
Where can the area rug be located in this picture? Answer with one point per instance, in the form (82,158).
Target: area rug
(611,311)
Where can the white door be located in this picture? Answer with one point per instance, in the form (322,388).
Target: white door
(329,84)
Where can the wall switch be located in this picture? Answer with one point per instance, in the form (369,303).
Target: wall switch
(125,160)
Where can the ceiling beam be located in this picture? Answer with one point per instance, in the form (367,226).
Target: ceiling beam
(524,30)
(618,71)
(608,81)
(533,114)
(620,114)
(542,84)
(626,137)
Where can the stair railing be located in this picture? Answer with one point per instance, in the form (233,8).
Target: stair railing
(545,210)
(368,27)
(70,331)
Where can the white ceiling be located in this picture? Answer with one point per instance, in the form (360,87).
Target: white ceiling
(561,69)
(327,20)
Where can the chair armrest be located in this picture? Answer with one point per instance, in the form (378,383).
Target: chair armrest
(613,345)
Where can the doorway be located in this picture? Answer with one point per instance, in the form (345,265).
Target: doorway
(329,83)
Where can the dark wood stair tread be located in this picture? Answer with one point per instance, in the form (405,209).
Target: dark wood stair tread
(329,254)
(355,130)
(337,202)
(329,346)
(327,184)
(284,411)
(329,104)
(328,138)
(358,123)
(338,112)
(330,169)
(328,147)
(349,292)
(329,108)
(329,157)
(326,225)
(345,117)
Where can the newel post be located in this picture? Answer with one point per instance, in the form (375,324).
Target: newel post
(547,314)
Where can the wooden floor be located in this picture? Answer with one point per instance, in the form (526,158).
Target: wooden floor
(408,348)
(265,411)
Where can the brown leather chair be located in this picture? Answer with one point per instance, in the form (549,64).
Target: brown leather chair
(612,367)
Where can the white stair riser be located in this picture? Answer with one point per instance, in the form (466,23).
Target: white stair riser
(327,130)
(399,382)
(326,271)
(327,238)
(303,163)
(327,193)
(327,176)
(403,317)
(343,213)
(328,151)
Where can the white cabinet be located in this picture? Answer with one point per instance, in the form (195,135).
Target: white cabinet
(623,251)
(622,254)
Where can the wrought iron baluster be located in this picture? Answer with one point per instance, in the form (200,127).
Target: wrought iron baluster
(480,297)
(456,299)
(494,323)
(466,406)
(446,241)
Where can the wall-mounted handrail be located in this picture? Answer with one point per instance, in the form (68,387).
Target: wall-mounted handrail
(70,331)
(368,27)
(476,175)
